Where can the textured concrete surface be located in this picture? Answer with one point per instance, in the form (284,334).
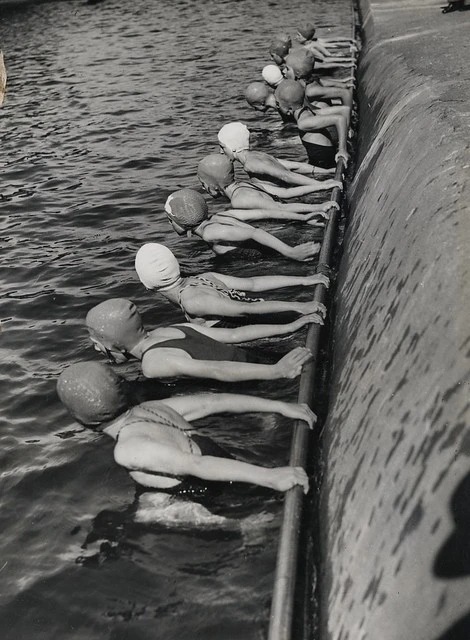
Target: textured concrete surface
(396,492)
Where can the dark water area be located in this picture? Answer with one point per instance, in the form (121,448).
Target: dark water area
(109,109)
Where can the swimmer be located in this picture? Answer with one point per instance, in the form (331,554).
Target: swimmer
(312,124)
(261,98)
(320,47)
(306,35)
(272,75)
(279,48)
(188,215)
(155,441)
(217,176)
(264,169)
(207,298)
(183,350)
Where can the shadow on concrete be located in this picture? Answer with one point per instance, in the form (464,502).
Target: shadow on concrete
(453,558)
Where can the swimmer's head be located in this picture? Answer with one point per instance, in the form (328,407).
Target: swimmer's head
(215,172)
(272,75)
(290,95)
(93,393)
(299,64)
(279,47)
(115,327)
(256,95)
(306,32)
(234,137)
(157,267)
(186,209)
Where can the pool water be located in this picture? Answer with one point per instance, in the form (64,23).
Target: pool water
(109,109)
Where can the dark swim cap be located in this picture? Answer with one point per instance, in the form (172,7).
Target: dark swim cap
(93,393)
(307,31)
(187,208)
(216,170)
(301,61)
(115,322)
(279,47)
(290,94)
(257,93)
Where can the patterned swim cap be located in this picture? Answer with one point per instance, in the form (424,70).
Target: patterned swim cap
(187,208)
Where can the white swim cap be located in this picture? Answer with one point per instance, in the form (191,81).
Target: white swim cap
(272,75)
(235,136)
(156,266)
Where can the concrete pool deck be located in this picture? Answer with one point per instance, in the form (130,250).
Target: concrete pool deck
(395,498)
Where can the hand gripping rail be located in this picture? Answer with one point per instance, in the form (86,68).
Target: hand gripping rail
(282,604)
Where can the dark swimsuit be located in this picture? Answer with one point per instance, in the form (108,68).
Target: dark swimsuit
(188,485)
(255,187)
(318,154)
(201,347)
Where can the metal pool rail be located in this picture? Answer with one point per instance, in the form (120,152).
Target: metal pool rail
(282,604)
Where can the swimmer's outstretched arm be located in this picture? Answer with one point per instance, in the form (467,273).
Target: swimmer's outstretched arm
(318,47)
(202,305)
(305,168)
(200,405)
(337,110)
(350,82)
(276,169)
(241,232)
(314,91)
(333,65)
(297,192)
(141,456)
(249,201)
(165,365)
(279,214)
(266,283)
(322,54)
(256,331)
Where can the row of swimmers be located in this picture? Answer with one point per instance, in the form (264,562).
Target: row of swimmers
(155,440)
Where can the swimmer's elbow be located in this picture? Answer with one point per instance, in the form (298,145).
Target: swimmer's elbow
(121,456)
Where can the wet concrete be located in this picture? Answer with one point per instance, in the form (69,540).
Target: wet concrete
(396,493)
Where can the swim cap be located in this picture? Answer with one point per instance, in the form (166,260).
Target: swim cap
(283,38)
(279,47)
(272,75)
(187,208)
(156,266)
(235,136)
(257,93)
(92,392)
(290,94)
(301,61)
(116,322)
(216,170)
(307,31)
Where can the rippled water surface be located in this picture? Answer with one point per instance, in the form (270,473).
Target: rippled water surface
(109,108)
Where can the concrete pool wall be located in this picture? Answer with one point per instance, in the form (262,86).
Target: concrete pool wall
(395,503)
